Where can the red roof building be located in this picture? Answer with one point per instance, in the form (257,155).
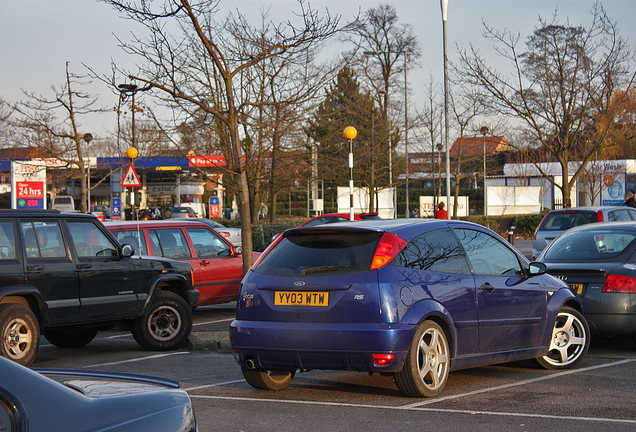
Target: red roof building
(474,146)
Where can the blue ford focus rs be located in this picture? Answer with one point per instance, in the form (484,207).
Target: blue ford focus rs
(416,298)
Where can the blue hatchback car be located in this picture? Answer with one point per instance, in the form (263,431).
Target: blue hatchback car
(415,298)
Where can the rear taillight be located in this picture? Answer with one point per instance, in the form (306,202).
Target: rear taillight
(390,245)
(599,216)
(539,226)
(225,234)
(382,359)
(619,284)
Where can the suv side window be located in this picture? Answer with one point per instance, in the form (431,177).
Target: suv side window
(169,243)
(207,244)
(488,255)
(7,240)
(90,241)
(437,251)
(43,240)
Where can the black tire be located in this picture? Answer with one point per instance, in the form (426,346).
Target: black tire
(268,380)
(20,333)
(166,324)
(62,338)
(427,364)
(570,340)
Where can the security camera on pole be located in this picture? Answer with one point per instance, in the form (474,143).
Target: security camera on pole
(350,133)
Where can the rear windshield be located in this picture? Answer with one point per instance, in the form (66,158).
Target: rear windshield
(560,221)
(62,200)
(590,245)
(306,255)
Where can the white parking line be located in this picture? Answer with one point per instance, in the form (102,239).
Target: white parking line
(214,385)
(156,356)
(419,406)
(213,322)
(524,382)
(411,408)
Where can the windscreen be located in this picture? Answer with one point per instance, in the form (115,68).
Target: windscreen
(320,254)
(590,245)
(560,221)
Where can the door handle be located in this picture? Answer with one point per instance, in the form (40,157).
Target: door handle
(84,266)
(205,262)
(487,287)
(35,267)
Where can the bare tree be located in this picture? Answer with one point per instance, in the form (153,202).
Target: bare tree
(61,137)
(465,110)
(431,117)
(388,47)
(210,59)
(560,84)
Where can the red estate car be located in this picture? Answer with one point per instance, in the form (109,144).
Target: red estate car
(217,264)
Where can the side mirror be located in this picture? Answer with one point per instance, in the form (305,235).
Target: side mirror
(127,250)
(537,268)
(238,250)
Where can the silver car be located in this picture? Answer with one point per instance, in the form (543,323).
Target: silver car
(557,221)
(233,235)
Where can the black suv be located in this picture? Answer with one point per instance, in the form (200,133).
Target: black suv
(64,274)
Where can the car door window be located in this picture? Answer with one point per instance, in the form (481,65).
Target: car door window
(619,215)
(169,243)
(7,241)
(436,250)
(207,244)
(487,255)
(90,241)
(43,240)
(132,238)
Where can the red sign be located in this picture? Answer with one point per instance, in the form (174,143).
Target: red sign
(33,190)
(130,178)
(208,161)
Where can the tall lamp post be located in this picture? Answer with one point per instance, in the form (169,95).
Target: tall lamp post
(444,4)
(484,131)
(130,88)
(88,137)
(350,133)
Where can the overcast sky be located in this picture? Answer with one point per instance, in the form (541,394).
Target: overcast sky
(40,36)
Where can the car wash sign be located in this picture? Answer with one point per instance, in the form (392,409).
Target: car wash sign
(28,185)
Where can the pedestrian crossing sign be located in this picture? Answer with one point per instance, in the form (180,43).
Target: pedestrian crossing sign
(130,178)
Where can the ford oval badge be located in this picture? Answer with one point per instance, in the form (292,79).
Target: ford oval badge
(299,283)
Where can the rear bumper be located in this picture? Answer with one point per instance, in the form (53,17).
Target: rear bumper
(335,346)
(612,324)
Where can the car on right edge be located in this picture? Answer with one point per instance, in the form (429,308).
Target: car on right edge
(414,298)
(598,261)
(555,222)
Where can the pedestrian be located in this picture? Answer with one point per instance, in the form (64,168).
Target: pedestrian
(415,213)
(629,199)
(263,211)
(441,212)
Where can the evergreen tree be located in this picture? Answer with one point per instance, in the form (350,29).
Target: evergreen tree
(346,105)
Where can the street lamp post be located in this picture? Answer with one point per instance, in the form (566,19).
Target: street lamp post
(406,134)
(88,137)
(350,133)
(130,88)
(444,4)
(484,130)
